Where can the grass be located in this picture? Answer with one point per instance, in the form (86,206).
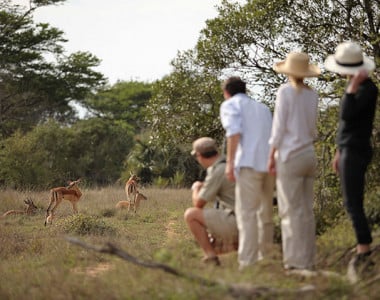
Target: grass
(37,262)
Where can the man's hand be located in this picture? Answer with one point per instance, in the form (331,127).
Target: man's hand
(271,166)
(335,162)
(230,171)
(356,80)
(196,185)
(272,161)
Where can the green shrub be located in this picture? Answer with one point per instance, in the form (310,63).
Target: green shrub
(82,225)
(161,182)
(178,180)
(372,207)
(328,214)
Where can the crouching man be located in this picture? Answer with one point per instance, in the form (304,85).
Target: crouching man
(213,228)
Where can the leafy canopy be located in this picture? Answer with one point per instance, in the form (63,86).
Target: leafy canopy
(38,80)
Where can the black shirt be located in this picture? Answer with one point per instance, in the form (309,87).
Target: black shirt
(356,116)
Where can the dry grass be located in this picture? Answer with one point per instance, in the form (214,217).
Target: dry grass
(36,262)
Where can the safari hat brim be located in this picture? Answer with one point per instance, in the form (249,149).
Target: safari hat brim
(312,71)
(348,59)
(297,64)
(332,65)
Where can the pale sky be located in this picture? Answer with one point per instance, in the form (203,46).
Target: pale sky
(135,39)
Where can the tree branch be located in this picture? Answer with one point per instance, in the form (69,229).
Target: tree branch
(236,290)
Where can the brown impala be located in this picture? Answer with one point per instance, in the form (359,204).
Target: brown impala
(131,190)
(135,204)
(71,193)
(29,210)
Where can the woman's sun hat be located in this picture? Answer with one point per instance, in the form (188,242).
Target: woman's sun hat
(297,64)
(348,59)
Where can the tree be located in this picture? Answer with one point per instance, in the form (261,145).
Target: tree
(125,101)
(37,80)
(51,154)
(185,105)
(246,39)
(249,38)
(150,161)
(100,149)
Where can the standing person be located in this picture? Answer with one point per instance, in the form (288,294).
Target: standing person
(292,158)
(219,223)
(354,150)
(248,125)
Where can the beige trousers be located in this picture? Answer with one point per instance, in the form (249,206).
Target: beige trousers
(295,179)
(254,214)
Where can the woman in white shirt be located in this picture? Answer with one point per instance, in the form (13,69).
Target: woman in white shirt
(292,158)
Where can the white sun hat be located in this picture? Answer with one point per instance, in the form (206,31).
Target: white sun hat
(348,59)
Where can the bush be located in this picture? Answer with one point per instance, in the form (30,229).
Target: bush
(82,225)
(161,182)
(372,205)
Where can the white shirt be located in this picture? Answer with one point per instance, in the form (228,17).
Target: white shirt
(295,120)
(253,121)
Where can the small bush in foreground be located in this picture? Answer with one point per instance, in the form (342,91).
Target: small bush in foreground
(81,224)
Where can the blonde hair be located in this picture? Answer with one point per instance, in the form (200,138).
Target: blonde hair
(297,83)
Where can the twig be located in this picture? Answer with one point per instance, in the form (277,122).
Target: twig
(369,282)
(111,249)
(236,290)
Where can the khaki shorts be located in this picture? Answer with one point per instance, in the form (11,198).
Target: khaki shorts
(221,225)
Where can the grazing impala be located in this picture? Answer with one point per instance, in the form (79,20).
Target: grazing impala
(135,204)
(131,189)
(29,210)
(71,193)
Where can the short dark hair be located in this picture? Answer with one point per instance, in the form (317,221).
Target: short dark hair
(209,154)
(234,85)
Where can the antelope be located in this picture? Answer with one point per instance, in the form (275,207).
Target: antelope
(71,193)
(29,210)
(135,204)
(131,189)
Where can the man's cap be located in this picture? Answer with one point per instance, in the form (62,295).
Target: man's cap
(204,145)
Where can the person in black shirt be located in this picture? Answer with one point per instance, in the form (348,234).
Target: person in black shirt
(354,150)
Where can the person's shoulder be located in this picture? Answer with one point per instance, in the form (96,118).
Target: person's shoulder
(370,84)
(285,87)
(230,103)
(239,97)
(219,163)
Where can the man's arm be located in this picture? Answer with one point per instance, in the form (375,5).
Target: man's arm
(232,144)
(197,202)
(272,161)
(335,162)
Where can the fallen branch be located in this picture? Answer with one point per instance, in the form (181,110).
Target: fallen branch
(113,250)
(236,290)
(370,282)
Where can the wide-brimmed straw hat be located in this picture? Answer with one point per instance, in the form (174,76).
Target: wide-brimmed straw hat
(348,59)
(297,64)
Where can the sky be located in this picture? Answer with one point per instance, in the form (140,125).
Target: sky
(134,39)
